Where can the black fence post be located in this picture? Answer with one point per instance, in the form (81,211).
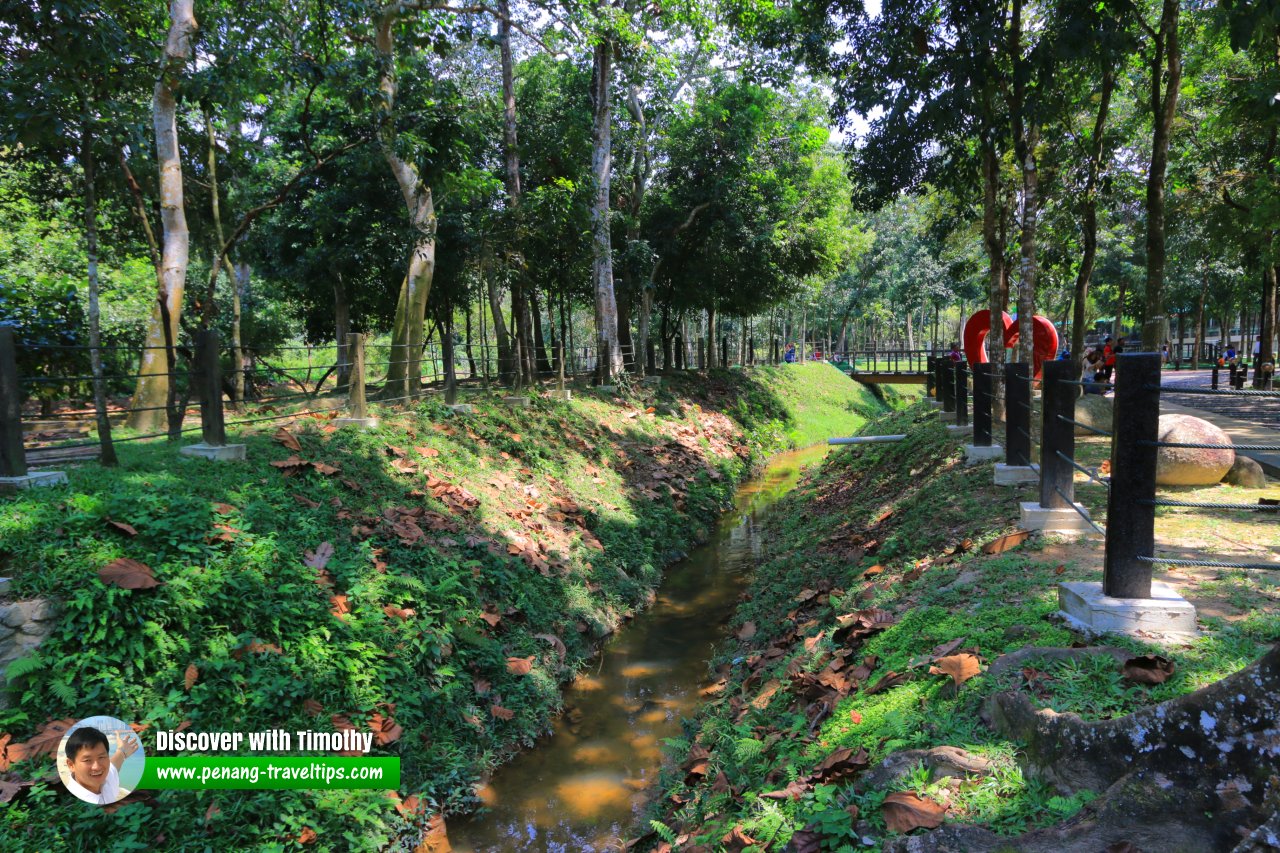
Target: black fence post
(1214,381)
(13,458)
(930,378)
(962,393)
(982,404)
(213,431)
(1057,435)
(1017,414)
(948,384)
(1130,507)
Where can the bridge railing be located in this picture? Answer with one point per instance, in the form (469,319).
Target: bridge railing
(915,361)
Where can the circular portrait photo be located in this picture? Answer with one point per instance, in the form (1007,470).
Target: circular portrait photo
(100,760)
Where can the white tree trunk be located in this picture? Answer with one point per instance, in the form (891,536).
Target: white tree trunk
(153,382)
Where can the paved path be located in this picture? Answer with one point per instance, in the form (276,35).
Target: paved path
(1248,420)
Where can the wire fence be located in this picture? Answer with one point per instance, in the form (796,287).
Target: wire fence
(1130,485)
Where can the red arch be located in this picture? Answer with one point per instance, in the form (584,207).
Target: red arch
(1044,336)
(975,335)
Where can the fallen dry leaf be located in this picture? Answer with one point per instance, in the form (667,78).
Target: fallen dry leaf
(747,631)
(189,677)
(288,439)
(903,811)
(520,666)
(127,529)
(434,839)
(128,574)
(1005,542)
(501,713)
(1148,669)
(319,558)
(960,667)
(307,836)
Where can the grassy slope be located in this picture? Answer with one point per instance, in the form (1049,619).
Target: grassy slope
(268,641)
(996,603)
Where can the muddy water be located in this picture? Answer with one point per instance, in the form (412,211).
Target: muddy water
(584,786)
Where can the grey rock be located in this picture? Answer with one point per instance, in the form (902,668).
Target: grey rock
(1093,410)
(1186,466)
(12,615)
(1246,473)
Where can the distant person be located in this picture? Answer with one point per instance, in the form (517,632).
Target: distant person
(1257,351)
(955,355)
(95,772)
(1229,355)
(1108,359)
(1065,355)
(1164,354)
(790,356)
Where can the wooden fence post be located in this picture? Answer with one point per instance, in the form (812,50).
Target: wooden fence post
(961,393)
(1017,390)
(13,459)
(213,430)
(1130,506)
(1057,435)
(982,404)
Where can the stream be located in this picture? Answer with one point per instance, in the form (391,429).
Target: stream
(586,784)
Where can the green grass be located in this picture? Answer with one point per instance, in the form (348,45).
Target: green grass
(824,402)
(228,543)
(939,514)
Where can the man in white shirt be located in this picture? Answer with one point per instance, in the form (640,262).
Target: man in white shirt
(95,773)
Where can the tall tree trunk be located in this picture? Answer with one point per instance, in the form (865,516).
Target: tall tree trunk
(606,304)
(712,352)
(997,292)
(542,363)
(521,308)
(404,374)
(223,261)
(1026,136)
(239,382)
(88,163)
(1089,213)
(155,390)
(1204,292)
(1166,74)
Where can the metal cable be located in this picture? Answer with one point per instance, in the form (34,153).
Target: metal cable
(1024,433)
(1091,473)
(1068,420)
(1086,382)
(1080,512)
(1175,389)
(1148,443)
(89,378)
(1210,505)
(278,417)
(1208,564)
(129,347)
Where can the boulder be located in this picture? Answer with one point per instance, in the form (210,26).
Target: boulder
(1246,473)
(1187,466)
(1094,411)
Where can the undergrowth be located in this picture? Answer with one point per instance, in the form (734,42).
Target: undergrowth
(459,544)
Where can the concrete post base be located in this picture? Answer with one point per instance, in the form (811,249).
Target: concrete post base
(557,394)
(1047,520)
(33,480)
(358,423)
(947,417)
(974,454)
(516,402)
(1086,608)
(1015,475)
(607,389)
(936,404)
(651,380)
(955,429)
(461,408)
(226,453)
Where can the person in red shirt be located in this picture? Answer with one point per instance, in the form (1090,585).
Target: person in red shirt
(1108,359)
